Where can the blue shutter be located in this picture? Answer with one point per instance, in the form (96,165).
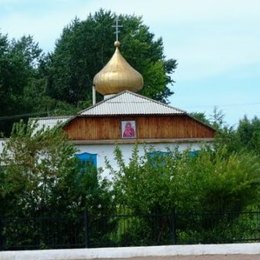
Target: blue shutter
(87,158)
(158,154)
(157,158)
(194,153)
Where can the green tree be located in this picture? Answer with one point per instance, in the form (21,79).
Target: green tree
(19,62)
(41,178)
(212,181)
(34,161)
(245,137)
(248,132)
(201,117)
(23,81)
(86,46)
(18,65)
(184,181)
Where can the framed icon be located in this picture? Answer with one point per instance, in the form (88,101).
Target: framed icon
(128,129)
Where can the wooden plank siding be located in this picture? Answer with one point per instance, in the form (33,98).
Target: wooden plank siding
(147,127)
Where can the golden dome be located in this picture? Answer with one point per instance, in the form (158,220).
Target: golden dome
(117,76)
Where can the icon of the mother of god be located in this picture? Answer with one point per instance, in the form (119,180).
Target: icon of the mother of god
(129,130)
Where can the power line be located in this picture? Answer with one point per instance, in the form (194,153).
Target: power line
(22,115)
(227,105)
(2,118)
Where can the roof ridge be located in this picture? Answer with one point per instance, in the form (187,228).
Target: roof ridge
(100,102)
(130,97)
(156,101)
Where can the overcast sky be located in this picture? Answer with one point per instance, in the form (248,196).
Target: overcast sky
(216,44)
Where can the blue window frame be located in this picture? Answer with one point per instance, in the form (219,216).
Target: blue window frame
(157,157)
(87,159)
(194,153)
(158,154)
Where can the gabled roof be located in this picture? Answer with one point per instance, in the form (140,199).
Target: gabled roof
(124,103)
(129,103)
(50,121)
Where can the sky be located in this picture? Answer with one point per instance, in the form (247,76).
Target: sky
(215,42)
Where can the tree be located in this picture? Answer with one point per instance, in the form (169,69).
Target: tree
(86,46)
(41,178)
(23,81)
(18,65)
(34,161)
(248,132)
(19,60)
(212,181)
(201,117)
(217,119)
(184,181)
(243,138)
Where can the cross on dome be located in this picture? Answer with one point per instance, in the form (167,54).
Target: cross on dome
(117,26)
(117,75)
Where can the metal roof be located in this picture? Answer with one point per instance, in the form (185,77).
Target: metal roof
(124,103)
(129,103)
(50,121)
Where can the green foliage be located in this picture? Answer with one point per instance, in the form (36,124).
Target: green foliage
(86,46)
(145,54)
(249,134)
(217,119)
(212,181)
(34,161)
(201,117)
(23,82)
(19,60)
(40,177)
(245,137)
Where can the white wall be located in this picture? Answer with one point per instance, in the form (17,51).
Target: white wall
(107,151)
(1,145)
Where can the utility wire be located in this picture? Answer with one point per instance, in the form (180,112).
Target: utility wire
(22,115)
(2,118)
(226,105)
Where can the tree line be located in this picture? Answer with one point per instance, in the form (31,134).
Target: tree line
(59,83)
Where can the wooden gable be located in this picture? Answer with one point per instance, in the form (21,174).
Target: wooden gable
(156,127)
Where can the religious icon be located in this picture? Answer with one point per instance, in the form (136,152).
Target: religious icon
(128,129)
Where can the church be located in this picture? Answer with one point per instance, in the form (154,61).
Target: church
(125,118)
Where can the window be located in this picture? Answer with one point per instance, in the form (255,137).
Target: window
(157,158)
(194,153)
(87,159)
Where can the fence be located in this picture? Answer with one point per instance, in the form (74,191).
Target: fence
(84,230)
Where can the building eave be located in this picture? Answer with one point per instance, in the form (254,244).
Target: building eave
(143,141)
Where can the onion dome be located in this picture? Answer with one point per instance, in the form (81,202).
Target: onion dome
(117,76)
